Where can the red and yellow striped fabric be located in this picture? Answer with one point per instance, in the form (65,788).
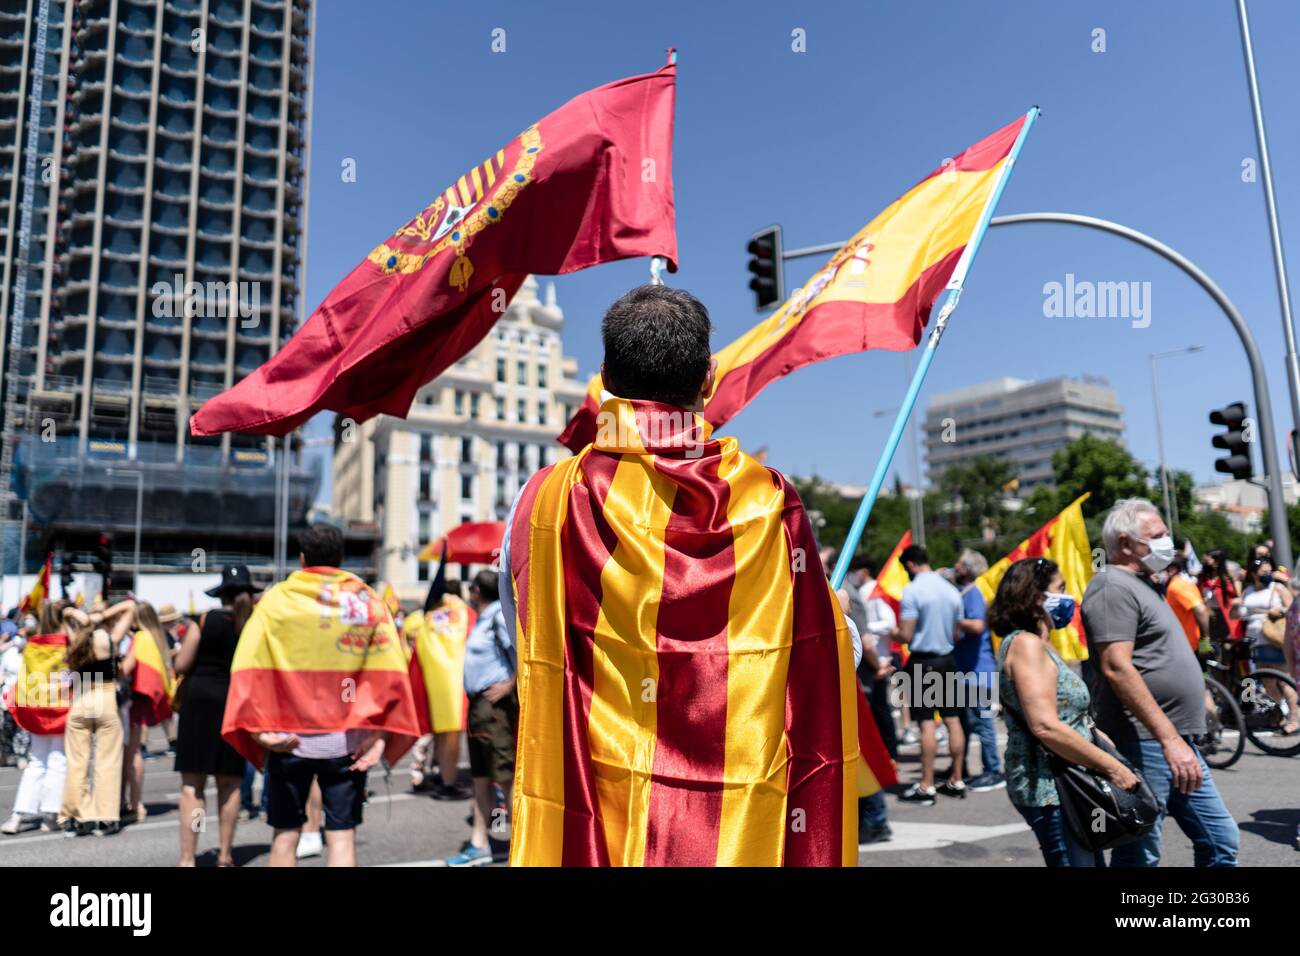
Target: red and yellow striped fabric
(39,700)
(874,293)
(893,576)
(150,681)
(319,655)
(1064,540)
(686,677)
(31,603)
(438,664)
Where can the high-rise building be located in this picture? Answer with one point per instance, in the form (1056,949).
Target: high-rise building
(1019,422)
(473,437)
(166,262)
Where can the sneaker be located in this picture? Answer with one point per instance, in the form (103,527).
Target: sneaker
(950,789)
(471,856)
(310,843)
(988,781)
(20,823)
(910,736)
(442,791)
(868,835)
(917,794)
(105,828)
(50,822)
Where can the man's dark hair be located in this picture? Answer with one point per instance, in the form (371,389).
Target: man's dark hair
(322,546)
(914,554)
(657,345)
(862,562)
(486,582)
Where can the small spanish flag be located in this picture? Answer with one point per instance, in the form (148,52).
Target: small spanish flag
(39,700)
(319,655)
(686,681)
(40,593)
(390,599)
(438,664)
(874,293)
(151,682)
(1064,540)
(893,576)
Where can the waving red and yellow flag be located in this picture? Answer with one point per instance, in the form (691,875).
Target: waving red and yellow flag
(151,680)
(39,700)
(438,664)
(874,293)
(1064,540)
(893,576)
(686,684)
(474,542)
(40,593)
(319,655)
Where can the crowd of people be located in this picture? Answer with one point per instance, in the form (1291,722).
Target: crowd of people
(1135,705)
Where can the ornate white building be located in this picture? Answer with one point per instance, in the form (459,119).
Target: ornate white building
(473,437)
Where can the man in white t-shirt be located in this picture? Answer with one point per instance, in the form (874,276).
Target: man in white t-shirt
(882,626)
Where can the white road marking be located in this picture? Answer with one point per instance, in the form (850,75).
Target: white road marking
(933,836)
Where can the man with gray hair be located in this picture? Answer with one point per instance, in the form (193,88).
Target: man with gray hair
(974,658)
(1150,694)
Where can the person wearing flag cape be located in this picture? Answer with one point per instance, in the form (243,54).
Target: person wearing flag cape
(686,679)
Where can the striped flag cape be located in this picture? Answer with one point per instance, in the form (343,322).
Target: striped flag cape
(150,681)
(1064,540)
(39,700)
(686,684)
(437,668)
(40,593)
(319,655)
(874,293)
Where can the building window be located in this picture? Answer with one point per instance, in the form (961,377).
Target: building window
(459,404)
(541,412)
(426,448)
(521,370)
(501,456)
(522,410)
(467,487)
(426,484)
(541,376)
(501,370)
(467,451)
(501,409)
(473,405)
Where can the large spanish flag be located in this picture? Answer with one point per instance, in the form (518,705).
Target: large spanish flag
(474,542)
(590,183)
(686,684)
(319,655)
(438,664)
(39,700)
(151,682)
(874,293)
(1064,540)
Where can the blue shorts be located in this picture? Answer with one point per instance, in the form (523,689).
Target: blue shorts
(288,784)
(1265,654)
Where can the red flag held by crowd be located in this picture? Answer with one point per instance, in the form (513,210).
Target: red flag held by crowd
(590,183)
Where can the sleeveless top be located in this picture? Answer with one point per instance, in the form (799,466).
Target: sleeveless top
(1030,782)
(216,644)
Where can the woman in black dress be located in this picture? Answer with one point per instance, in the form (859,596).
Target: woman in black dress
(204,660)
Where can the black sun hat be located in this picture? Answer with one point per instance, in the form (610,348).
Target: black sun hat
(234,578)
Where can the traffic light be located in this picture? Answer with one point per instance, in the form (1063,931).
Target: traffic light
(1234,441)
(765,263)
(103,560)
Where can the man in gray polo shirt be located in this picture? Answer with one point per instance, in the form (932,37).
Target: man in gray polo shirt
(1150,695)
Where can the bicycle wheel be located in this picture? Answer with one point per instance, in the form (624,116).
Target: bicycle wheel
(1224,739)
(1266,714)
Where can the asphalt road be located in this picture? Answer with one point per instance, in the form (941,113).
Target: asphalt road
(406,829)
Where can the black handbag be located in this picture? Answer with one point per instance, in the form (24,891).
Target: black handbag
(1100,815)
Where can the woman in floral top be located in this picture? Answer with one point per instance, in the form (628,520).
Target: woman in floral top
(1040,692)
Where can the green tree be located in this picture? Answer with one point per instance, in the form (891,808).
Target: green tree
(977,490)
(1101,466)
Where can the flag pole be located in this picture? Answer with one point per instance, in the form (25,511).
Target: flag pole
(950,295)
(658,263)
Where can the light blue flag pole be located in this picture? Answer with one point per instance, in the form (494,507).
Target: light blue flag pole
(949,297)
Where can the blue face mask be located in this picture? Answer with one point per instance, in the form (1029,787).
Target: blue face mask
(1060,608)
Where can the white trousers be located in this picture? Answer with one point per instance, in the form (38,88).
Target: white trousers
(40,790)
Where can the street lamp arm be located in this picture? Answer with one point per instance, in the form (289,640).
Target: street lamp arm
(1264,406)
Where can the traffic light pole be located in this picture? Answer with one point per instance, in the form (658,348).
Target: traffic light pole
(1278,527)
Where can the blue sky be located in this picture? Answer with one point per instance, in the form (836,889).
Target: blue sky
(1152,133)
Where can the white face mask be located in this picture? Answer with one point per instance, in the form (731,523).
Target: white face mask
(1161,555)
